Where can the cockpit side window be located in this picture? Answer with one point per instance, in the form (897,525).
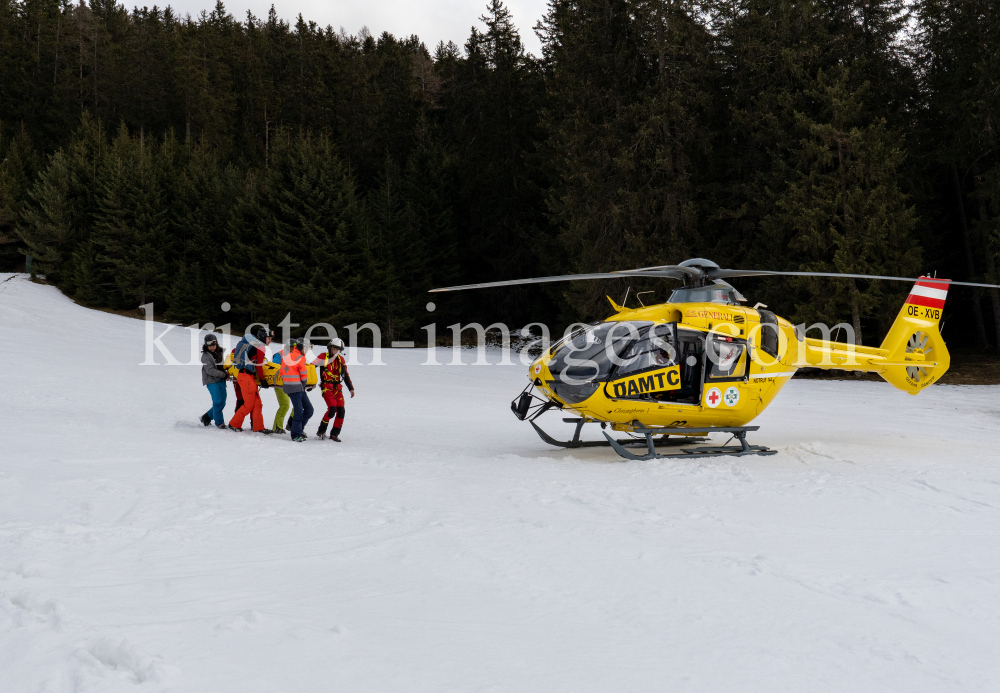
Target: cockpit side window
(590,354)
(727,358)
(656,349)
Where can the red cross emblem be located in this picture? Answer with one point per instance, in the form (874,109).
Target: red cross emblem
(713,397)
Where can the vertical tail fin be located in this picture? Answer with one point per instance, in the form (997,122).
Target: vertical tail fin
(915,337)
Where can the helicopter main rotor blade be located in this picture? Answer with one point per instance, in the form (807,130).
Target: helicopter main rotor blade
(691,272)
(727,273)
(671,273)
(695,273)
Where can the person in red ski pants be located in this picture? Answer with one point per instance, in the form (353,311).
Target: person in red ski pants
(332,375)
(249,361)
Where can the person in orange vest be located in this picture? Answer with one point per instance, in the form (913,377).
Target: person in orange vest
(249,361)
(333,373)
(283,402)
(294,372)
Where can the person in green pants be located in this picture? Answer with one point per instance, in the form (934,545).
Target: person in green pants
(283,402)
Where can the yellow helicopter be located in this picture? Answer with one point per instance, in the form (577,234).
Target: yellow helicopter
(704,362)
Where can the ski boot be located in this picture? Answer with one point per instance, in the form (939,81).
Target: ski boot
(321,431)
(233,428)
(335,435)
(299,439)
(206,419)
(222,427)
(279,430)
(265,431)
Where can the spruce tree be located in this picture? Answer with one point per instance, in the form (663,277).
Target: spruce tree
(47,227)
(18,168)
(627,134)
(769,48)
(429,187)
(58,211)
(958,44)
(492,100)
(200,192)
(395,254)
(294,235)
(130,229)
(843,209)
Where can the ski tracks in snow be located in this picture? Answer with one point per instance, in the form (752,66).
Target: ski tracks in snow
(58,651)
(442,546)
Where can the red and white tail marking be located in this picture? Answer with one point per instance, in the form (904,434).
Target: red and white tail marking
(930,294)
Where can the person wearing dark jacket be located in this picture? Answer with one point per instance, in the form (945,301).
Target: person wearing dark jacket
(214,378)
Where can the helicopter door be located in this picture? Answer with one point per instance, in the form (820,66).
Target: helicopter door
(691,355)
(647,368)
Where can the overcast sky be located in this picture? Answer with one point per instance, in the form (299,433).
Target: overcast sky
(431,20)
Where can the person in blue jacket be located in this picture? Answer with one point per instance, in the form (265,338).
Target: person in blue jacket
(214,378)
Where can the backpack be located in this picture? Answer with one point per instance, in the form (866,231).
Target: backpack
(240,359)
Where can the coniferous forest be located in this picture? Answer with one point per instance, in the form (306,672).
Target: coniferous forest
(279,167)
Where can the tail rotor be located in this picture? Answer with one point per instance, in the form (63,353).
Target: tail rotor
(917,344)
(914,347)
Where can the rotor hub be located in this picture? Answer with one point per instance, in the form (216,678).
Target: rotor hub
(704,267)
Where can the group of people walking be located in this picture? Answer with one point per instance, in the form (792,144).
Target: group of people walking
(290,385)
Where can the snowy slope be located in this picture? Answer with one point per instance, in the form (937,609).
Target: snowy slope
(443,547)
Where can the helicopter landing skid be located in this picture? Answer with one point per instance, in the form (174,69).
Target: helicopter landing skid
(738,432)
(577,443)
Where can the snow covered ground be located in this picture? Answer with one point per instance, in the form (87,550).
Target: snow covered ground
(444,547)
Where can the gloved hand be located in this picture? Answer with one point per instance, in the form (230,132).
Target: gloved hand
(310,388)
(264,385)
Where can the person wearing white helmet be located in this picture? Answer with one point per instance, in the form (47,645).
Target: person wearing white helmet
(333,374)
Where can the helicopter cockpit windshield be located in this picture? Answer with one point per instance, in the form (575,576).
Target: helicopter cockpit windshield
(590,352)
(590,355)
(717,293)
